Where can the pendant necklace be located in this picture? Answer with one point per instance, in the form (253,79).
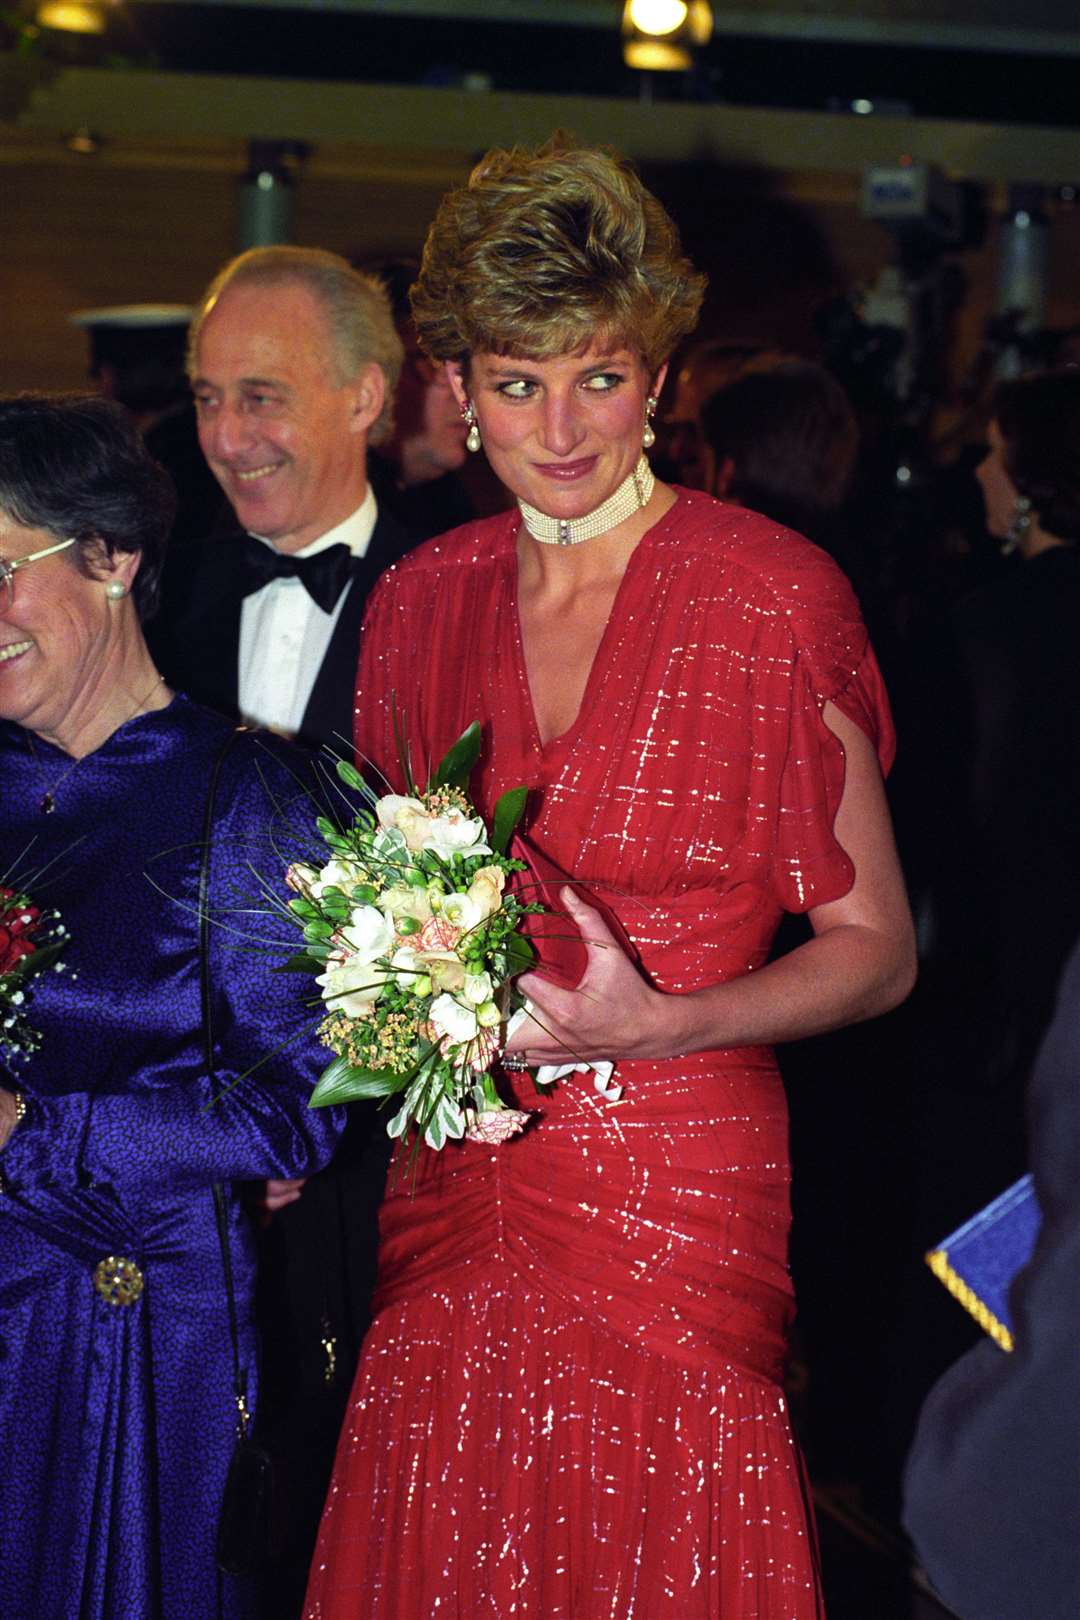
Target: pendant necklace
(48,798)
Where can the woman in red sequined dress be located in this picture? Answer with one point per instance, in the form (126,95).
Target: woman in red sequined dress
(569,1405)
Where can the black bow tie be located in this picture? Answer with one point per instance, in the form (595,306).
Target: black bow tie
(324,576)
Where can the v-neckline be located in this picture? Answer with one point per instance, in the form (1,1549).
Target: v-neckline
(565,740)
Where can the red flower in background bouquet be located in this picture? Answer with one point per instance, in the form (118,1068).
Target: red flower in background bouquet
(30,941)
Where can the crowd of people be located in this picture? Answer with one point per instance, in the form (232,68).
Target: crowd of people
(546,1377)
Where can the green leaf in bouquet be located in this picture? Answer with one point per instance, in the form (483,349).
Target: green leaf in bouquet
(327,829)
(39,959)
(520,955)
(445,1120)
(415,878)
(456,765)
(411,1105)
(342,1082)
(508,813)
(399,1124)
(303,962)
(348,773)
(303,908)
(365,894)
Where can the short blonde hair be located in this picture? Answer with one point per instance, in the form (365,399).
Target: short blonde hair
(542,253)
(359,319)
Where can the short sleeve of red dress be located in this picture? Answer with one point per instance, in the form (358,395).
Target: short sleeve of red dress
(827,658)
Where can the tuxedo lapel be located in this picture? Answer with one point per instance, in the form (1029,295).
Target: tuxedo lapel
(328,718)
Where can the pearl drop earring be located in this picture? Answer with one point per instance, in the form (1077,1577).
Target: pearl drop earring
(115,590)
(648,437)
(472,438)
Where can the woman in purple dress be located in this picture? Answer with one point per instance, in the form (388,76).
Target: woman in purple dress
(117,1413)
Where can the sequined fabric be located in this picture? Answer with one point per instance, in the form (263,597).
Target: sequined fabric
(568,1406)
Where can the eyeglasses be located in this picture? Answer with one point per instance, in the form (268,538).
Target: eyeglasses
(7,568)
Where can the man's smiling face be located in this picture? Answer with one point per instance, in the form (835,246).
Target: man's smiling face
(284,436)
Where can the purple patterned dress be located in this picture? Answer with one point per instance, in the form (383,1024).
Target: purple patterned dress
(117,1419)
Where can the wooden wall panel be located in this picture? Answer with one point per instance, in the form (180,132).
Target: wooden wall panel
(142,221)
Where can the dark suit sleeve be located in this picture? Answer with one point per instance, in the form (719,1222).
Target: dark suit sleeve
(992,1488)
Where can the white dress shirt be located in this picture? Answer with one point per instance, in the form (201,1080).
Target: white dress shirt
(284,634)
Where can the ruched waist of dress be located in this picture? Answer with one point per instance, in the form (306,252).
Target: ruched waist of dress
(671,1232)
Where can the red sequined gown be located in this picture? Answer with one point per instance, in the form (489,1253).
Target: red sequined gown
(568,1406)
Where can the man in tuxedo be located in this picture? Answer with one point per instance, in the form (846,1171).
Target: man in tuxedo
(293,358)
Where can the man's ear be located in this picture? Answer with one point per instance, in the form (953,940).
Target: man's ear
(723,478)
(368,391)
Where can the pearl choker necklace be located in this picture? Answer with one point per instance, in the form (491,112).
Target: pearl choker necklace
(632,494)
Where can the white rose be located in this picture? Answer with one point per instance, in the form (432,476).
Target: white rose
(451,1019)
(445,972)
(401,900)
(368,933)
(407,816)
(460,911)
(487,888)
(477,988)
(455,834)
(350,986)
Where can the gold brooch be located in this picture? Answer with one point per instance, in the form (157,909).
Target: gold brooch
(118,1280)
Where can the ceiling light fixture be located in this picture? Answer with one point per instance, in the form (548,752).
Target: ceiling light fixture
(660,36)
(72,16)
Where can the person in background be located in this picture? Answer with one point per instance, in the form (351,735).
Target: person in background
(416,472)
(1017,646)
(992,1484)
(1006,885)
(137,357)
(117,1409)
(569,1402)
(294,360)
(682,452)
(783,440)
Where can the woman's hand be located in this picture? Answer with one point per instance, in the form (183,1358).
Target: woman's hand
(280,1192)
(612,1014)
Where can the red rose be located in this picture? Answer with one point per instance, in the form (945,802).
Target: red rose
(12,948)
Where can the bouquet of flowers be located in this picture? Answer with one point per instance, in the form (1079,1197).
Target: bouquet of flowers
(30,941)
(413,936)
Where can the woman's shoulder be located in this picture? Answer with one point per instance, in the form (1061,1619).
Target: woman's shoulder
(246,763)
(459,551)
(773,566)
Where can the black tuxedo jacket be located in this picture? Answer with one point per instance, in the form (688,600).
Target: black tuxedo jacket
(195,637)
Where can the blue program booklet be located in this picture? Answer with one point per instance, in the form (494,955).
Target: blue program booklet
(978,1261)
